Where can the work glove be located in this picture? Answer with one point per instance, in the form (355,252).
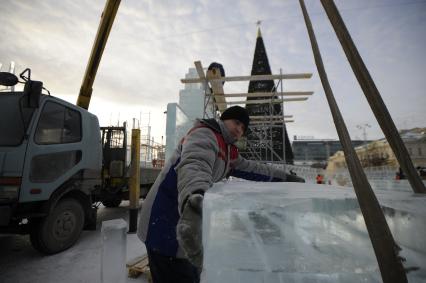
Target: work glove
(189,230)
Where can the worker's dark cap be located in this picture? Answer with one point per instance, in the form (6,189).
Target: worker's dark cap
(238,113)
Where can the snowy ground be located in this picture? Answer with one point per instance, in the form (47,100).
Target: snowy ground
(20,263)
(252,224)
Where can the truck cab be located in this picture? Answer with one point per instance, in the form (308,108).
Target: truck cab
(50,165)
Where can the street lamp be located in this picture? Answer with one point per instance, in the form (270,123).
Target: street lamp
(363,127)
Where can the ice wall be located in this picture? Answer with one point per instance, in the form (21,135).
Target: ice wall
(293,232)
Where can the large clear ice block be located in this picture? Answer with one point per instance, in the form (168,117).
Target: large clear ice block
(295,232)
(114,241)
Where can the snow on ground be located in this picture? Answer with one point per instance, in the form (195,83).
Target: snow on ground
(20,263)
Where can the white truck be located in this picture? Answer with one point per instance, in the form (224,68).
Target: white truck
(50,167)
(56,162)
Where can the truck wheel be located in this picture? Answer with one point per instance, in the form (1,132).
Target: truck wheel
(60,229)
(113,202)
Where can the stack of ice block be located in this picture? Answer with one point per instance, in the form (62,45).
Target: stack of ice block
(294,232)
(114,242)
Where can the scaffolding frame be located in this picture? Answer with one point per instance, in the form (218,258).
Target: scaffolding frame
(215,102)
(263,128)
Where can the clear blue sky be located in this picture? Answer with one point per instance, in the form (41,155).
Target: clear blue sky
(153,43)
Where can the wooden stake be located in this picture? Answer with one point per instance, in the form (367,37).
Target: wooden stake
(373,97)
(381,238)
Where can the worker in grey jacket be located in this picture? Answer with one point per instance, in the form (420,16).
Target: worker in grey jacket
(170,223)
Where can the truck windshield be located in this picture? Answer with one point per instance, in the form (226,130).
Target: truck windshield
(14,118)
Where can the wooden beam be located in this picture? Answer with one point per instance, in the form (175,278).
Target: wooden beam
(269,117)
(265,101)
(251,78)
(381,238)
(213,76)
(200,71)
(269,123)
(269,94)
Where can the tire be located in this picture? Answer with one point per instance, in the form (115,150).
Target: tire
(60,229)
(112,202)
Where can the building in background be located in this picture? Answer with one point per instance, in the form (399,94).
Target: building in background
(379,153)
(182,115)
(316,152)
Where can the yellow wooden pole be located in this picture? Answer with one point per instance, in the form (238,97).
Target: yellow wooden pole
(134,182)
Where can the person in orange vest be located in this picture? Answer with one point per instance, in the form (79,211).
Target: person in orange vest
(319,179)
(397,177)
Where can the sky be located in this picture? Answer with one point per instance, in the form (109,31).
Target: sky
(153,43)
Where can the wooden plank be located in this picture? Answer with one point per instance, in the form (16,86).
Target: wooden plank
(135,260)
(251,78)
(270,123)
(269,94)
(264,101)
(217,88)
(138,266)
(200,70)
(270,117)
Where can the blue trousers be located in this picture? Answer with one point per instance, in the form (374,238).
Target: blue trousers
(166,269)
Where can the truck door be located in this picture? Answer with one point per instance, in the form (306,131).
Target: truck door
(54,150)
(15,118)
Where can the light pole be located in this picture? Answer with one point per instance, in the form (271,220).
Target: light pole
(363,127)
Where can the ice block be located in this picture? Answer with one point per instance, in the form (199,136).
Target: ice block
(114,241)
(298,232)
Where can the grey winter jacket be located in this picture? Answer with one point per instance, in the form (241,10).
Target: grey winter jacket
(204,156)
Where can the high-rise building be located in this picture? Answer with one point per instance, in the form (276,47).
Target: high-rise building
(181,116)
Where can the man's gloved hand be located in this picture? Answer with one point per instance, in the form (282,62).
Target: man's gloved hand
(189,230)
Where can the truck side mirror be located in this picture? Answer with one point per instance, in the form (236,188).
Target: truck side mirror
(33,90)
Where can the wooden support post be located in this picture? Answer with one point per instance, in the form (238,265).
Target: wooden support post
(206,88)
(214,77)
(134,190)
(381,238)
(373,97)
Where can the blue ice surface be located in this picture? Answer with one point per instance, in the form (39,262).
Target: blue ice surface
(299,232)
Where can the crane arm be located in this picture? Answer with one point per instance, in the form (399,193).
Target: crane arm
(107,19)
